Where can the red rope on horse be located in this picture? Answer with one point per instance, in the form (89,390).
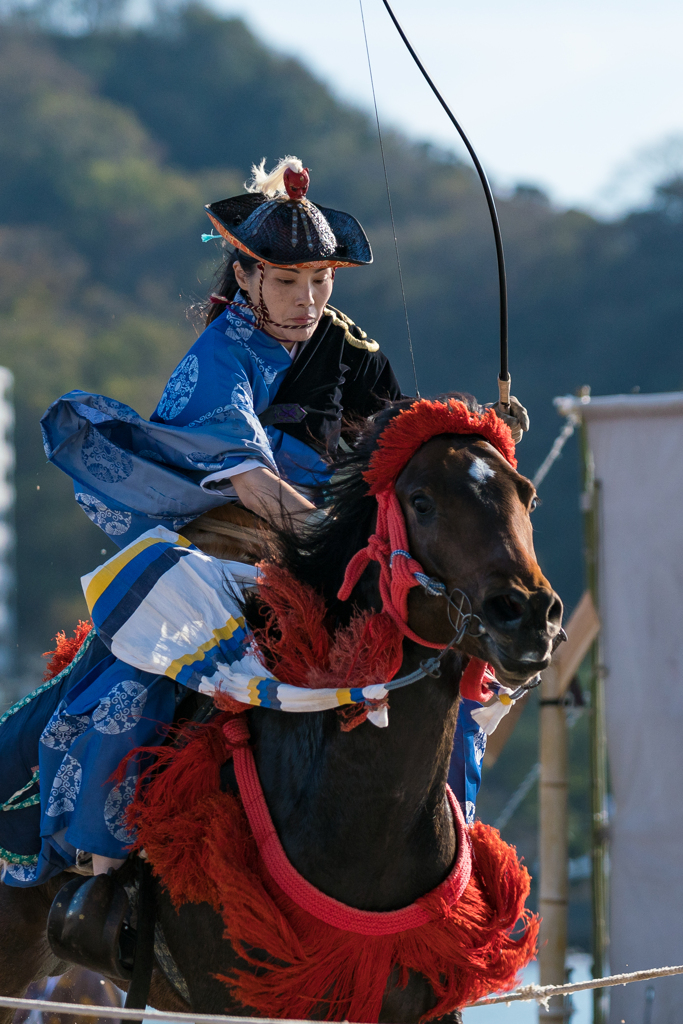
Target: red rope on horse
(395,579)
(396,445)
(305,895)
(200,843)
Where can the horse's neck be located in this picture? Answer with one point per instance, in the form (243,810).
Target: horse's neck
(363,815)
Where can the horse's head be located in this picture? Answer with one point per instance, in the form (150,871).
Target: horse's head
(468,517)
(467,514)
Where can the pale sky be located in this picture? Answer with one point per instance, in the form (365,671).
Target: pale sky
(581,97)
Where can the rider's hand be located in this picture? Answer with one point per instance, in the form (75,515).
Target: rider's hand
(273,499)
(515,415)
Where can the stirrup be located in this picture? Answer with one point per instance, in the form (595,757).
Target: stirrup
(87,926)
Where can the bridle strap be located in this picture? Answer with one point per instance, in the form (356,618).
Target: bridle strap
(399,572)
(397,575)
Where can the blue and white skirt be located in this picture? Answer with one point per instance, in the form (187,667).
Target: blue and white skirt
(70,801)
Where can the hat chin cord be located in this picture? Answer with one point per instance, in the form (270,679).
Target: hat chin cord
(261,313)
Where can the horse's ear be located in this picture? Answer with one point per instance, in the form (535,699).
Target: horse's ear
(465,397)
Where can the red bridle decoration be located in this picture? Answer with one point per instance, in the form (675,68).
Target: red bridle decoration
(397,576)
(408,431)
(397,444)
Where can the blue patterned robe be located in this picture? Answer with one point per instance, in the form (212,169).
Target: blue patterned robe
(131,475)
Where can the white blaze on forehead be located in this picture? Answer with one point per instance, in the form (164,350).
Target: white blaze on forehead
(480,471)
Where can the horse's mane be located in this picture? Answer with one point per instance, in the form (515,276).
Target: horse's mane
(320,558)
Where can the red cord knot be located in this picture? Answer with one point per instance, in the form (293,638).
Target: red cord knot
(296,183)
(236,732)
(396,578)
(376,550)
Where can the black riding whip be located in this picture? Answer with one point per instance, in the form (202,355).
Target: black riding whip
(504,375)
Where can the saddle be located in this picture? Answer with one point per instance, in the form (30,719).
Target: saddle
(230,532)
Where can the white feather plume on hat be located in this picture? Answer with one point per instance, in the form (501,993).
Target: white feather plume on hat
(271,183)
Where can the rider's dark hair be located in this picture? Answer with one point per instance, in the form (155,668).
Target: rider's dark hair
(225,282)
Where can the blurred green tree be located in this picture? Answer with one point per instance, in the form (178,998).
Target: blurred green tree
(112,139)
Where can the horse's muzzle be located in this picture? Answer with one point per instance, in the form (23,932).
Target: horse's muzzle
(522,629)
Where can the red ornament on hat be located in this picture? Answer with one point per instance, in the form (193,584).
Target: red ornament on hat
(296,183)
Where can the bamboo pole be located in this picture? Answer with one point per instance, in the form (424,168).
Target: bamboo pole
(553,843)
(590,504)
(582,629)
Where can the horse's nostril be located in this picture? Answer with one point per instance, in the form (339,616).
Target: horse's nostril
(513,609)
(555,612)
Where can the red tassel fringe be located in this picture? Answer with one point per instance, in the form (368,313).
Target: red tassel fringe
(299,649)
(199,842)
(66,650)
(412,427)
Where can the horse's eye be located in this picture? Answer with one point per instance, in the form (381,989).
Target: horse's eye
(534,504)
(422,504)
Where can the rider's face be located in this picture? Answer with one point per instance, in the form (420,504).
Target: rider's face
(295,298)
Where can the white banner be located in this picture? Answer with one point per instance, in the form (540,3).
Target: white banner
(637,444)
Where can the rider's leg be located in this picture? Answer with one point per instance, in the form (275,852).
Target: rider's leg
(100,865)
(81,750)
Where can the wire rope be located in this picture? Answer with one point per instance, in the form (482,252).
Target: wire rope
(539,993)
(391,206)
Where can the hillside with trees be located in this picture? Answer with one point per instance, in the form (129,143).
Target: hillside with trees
(111,141)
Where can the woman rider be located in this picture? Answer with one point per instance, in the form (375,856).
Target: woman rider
(253,412)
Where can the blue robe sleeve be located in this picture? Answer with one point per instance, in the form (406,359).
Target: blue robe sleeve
(131,474)
(215,388)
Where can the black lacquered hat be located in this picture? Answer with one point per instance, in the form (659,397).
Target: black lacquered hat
(287,229)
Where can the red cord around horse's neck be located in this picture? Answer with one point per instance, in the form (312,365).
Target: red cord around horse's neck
(305,895)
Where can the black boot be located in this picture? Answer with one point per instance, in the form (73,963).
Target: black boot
(89,925)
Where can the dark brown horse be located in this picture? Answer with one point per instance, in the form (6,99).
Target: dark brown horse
(363,815)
